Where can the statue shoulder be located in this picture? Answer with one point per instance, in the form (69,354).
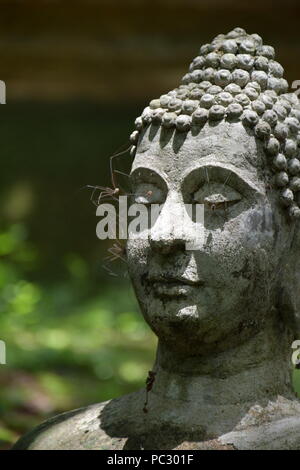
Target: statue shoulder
(83,428)
(283,434)
(275,427)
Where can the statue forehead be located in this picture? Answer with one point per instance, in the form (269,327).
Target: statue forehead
(228,145)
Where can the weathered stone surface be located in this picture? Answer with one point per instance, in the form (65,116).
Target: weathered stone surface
(123,426)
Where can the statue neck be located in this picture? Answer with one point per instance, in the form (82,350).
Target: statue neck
(222,386)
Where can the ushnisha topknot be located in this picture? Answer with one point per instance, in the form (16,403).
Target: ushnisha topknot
(237,78)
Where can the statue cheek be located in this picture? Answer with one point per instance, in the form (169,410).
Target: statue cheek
(254,228)
(241,252)
(137,255)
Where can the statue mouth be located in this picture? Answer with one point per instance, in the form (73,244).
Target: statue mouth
(173,287)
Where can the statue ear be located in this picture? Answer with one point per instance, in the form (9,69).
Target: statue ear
(289,298)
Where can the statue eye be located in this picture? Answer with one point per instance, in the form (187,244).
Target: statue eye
(216,196)
(147,193)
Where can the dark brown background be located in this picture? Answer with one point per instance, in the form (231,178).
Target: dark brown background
(120,50)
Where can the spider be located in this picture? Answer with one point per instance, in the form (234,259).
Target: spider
(116,252)
(106,191)
(149,384)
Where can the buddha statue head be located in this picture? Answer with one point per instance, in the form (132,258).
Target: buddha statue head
(228,138)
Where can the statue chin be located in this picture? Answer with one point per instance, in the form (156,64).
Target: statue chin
(192,329)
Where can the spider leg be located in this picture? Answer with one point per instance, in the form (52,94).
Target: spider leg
(110,258)
(207,176)
(114,256)
(94,188)
(103,194)
(227,179)
(95,202)
(122,173)
(110,272)
(112,170)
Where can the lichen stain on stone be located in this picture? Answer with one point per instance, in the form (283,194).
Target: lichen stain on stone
(213,444)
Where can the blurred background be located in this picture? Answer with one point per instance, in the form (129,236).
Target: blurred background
(77,74)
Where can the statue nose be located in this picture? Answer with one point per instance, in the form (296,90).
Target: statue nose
(167,245)
(169,232)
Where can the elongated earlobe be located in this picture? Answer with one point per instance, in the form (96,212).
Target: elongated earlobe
(289,290)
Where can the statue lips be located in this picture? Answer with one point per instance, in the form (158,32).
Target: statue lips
(165,286)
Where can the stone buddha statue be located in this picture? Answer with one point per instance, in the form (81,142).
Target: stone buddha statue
(227,313)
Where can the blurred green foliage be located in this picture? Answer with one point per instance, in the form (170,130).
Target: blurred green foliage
(65,349)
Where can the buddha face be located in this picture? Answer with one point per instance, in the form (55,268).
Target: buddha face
(221,293)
